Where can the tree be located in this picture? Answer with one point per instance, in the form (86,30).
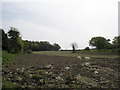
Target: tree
(56,47)
(5,41)
(16,44)
(87,48)
(99,42)
(116,42)
(74,46)
(26,45)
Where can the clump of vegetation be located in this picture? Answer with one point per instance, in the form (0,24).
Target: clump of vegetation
(7,58)
(7,85)
(29,51)
(40,71)
(38,77)
(87,48)
(12,42)
(103,43)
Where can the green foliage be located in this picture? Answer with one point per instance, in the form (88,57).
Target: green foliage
(7,58)
(83,53)
(13,43)
(40,46)
(7,85)
(69,79)
(28,51)
(38,77)
(16,44)
(25,45)
(13,33)
(102,43)
(87,48)
(56,47)
(40,71)
(99,42)
(5,41)
(116,42)
(116,51)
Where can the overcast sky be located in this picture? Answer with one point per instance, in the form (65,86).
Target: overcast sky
(62,21)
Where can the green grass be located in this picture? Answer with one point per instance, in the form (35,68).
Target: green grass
(102,51)
(78,53)
(7,85)
(7,58)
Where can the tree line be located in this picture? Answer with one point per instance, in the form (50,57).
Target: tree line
(12,42)
(101,43)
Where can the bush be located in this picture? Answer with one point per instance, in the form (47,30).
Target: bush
(28,51)
(116,51)
(7,58)
(87,48)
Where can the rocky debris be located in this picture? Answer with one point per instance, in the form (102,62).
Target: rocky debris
(67,68)
(19,78)
(58,78)
(46,67)
(67,74)
(87,58)
(8,79)
(17,69)
(86,64)
(23,69)
(96,72)
(79,57)
(39,77)
(87,81)
(49,66)
(31,75)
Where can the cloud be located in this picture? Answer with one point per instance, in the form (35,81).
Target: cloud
(61,21)
(32,31)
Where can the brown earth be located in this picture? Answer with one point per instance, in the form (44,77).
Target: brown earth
(62,72)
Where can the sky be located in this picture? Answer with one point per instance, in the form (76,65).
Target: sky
(61,21)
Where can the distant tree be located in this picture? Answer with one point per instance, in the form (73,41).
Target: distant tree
(116,42)
(26,45)
(44,46)
(56,47)
(87,48)
(98,42)
(13,43)
(5,41)
(40,46)
(108,44)
(74,46)
(16,44)
(108,40)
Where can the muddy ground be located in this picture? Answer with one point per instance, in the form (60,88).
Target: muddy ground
(44,71)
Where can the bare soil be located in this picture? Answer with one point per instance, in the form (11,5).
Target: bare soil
(44,71)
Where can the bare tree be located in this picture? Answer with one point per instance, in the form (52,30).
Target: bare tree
(74,46)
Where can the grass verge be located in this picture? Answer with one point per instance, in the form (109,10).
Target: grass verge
(78,53)
(7,58)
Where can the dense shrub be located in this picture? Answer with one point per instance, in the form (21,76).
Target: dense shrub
(28,51)
(7,57)
(87,48)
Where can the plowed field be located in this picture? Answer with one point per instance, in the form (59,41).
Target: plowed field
(47,71)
